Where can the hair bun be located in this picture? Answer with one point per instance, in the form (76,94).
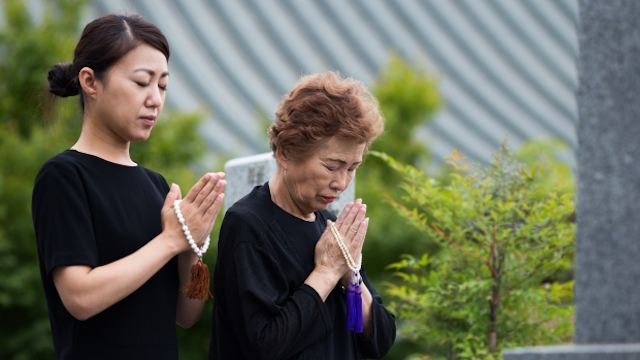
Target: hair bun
(63,81)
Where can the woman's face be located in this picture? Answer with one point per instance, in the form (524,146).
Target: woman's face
(315,182)
(130,98)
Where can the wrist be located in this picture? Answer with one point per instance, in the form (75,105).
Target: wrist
(322,281)
(174,241)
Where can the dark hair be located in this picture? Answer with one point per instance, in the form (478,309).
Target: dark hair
(321,106)
(104,42)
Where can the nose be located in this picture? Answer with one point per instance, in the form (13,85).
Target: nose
(341,181)
(155,98)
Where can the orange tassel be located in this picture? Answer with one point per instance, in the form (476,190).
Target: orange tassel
(198,285)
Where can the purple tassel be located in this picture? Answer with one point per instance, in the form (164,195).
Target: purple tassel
(354,309)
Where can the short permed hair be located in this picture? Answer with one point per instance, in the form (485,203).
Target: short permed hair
(322,106)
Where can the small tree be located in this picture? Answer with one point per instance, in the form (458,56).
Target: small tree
(502,242)
(408,97)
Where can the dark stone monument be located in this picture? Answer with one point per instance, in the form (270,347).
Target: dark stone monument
(607,293)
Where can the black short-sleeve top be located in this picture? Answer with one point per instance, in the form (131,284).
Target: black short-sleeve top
(262,309)
(89,211)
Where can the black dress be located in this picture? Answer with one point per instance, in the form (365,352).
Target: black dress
(263,310)
(88,211)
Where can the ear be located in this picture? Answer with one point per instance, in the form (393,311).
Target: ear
(281,158)
(88,82)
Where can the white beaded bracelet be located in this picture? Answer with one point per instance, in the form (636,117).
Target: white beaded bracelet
(198,250)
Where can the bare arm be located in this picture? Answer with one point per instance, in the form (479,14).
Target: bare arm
(188,311)
(87,291)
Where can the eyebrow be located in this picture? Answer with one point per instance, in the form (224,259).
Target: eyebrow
(151,72)
(342,161)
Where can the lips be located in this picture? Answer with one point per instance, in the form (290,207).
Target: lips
(329,199)
(149,120)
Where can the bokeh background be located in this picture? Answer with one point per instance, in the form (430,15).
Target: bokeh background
(454,74)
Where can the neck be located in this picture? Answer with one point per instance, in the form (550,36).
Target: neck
(96,142)
(282,195)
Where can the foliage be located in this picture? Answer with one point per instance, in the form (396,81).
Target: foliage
(408,98)
(27,50)
(551,171)
(502,241)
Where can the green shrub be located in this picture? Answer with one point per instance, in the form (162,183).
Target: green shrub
(502,243)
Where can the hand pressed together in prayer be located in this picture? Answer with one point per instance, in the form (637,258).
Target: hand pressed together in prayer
(352,226)
(200,208)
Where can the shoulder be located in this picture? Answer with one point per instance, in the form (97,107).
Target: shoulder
(63,160)
(156,178)
(256,206)
(63,165)
(248,218)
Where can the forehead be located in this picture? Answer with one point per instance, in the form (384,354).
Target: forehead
(344,150)
(143,56)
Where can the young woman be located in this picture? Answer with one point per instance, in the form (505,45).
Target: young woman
(113,255)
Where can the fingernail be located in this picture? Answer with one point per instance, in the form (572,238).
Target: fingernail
(359,201)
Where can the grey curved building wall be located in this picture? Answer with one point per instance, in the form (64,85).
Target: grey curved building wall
(506,66)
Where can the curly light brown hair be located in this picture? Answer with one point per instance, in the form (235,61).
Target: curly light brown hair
(322,106)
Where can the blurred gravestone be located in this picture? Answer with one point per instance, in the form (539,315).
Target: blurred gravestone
(243,174)
(607,294)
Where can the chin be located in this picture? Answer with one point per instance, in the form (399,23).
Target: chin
(140,137)
(322,206)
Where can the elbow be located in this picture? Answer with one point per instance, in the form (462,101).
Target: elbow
(188,312)
(78,307)
(186,323)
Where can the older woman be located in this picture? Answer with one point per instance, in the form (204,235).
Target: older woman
(281,275)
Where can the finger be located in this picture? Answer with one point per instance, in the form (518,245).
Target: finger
(360,215)
(350,218)
(219,196)
(205,197)
(352,231)
(358,240)
(212,211)
(328,239)
(343,214)
(195,190)
(211,198)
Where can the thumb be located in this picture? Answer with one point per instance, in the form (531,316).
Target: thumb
(173,195)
